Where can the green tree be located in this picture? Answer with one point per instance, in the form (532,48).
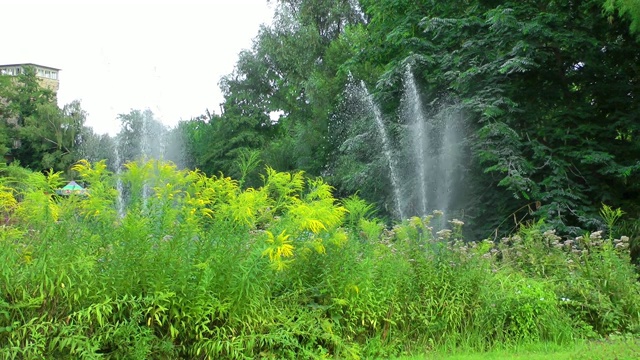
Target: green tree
(25,95)
(550,90)
(41,135)
(49,137)
(176,148)
(194,134)
(19,98)
(285,76)
(96,147)
(140,136)
(5,86)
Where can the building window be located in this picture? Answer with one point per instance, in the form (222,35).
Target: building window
(40,72)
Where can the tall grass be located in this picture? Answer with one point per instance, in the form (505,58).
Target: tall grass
(199,268)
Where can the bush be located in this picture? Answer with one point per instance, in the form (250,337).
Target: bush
(197,267)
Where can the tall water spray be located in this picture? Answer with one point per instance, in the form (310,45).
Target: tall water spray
(433,151)
(450,157)
(146,154)
(386,148)
(141,138)
(119,185)
(420,132)
(426,166)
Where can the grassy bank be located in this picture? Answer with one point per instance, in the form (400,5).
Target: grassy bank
(613,348)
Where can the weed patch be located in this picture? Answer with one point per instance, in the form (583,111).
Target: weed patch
(198,267)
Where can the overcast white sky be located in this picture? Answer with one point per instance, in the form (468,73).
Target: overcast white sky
(167,56)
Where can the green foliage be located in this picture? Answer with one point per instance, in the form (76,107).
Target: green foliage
(546,89)
(279,97)
(610,217)
(589,272)
(357,210)
(38,133)
(50,137)
(535,86)
(97,147)
(198,267)
(249,161)
(625,8)
(140,136)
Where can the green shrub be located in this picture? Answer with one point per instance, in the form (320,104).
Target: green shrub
(198,267)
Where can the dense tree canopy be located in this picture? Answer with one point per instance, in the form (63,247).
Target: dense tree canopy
(548,89)
(548,92)
(38,133)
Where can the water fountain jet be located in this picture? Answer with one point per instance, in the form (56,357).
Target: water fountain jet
(386,148)
(436,136)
